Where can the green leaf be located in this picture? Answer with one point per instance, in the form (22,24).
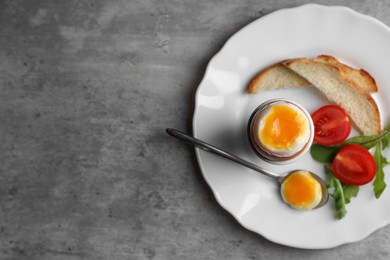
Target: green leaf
(365,141)
(337,195)
(324,154)
(381,162)
(385,142)
(368,142)
(342,193)
(350,192)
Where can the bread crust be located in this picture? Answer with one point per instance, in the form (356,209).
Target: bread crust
(339,73)
(362,78)
(256,85)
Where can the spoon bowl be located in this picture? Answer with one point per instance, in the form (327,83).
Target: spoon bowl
(280,178)
(323,186)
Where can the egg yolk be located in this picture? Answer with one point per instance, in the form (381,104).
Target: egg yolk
(301,190)
(282,126)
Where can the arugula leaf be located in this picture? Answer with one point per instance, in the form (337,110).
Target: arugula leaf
(350,192)
(338,197)
(366,141)
(385,143)
(342,193)
(324,154)
(381,162)
(386,140)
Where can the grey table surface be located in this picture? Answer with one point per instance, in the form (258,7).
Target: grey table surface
(87,171)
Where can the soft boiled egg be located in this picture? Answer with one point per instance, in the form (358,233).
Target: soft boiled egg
(281,130)
(301,191)
(284,129)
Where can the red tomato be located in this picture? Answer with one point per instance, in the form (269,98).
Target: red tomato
(331,125)
(354,165)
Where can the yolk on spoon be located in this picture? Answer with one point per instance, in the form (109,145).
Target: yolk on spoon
(301,191)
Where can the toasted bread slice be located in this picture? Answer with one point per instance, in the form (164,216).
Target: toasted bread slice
(277,76)
(274,77)
(361,77)
(329,80)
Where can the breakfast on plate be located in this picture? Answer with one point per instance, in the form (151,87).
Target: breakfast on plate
(349,163)
(301,191)
(280,131)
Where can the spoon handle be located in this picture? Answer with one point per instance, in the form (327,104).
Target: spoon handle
(209,148)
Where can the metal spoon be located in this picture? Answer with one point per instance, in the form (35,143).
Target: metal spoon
(280,178)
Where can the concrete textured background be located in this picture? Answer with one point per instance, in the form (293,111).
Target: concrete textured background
(87,171)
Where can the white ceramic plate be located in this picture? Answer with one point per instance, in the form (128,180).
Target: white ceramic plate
(223,108)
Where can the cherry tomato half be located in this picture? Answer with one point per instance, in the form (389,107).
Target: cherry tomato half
(354,165)
(331,125)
